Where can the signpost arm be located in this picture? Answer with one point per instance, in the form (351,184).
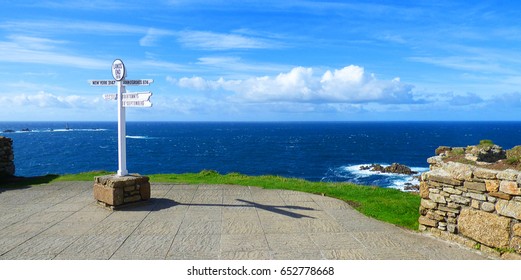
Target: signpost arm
(122,134)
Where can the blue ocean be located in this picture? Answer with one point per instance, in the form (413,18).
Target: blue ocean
(316,151)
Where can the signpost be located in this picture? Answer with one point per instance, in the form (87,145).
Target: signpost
(144,82)
(134,99)
(122,189)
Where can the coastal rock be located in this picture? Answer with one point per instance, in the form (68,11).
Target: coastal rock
(485,153)
(395,168)
(411,187)
(515,152)
(442,150)
(399,169)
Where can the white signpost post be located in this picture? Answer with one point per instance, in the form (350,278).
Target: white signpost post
(134,99)
(122,189)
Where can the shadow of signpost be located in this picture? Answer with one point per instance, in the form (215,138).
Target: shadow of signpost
(157,204)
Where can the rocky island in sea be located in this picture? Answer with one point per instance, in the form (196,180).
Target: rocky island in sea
(395,168)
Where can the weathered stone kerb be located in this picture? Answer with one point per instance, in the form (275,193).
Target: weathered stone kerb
(472,205)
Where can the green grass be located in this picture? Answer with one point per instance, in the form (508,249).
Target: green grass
(388,205)
(486,142)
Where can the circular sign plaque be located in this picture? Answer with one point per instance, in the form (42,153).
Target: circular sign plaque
(118,70)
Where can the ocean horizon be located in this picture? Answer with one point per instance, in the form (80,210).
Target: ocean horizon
(317,151)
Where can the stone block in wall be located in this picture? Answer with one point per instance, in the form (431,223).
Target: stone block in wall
(460,199)
(509,208)
(424,189)
(483,173)
(144,191)
(429,204)
(107,194)
(428,222)
(488,207)
(475,204)
(477,196)
(487,228)
(492,185)
(500,195)
(436,216)
(459,171)
(508,174)
(510,187)
(441,214)
(449,209)
(445,180)
(452,228)
(515,243)
(477,186)
(438,198)
(452,191)
(516,230)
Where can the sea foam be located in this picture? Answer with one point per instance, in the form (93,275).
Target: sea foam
(354,174)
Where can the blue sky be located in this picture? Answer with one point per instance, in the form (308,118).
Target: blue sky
(263,60)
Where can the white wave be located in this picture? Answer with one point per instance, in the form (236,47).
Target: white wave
(392,180)
(80,129)
(356,170)
(138,137)
(59,130)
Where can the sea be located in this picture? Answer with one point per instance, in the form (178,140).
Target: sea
(315,151)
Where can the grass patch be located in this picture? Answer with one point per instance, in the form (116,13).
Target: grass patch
(486,142)
(388,205)
(85,176)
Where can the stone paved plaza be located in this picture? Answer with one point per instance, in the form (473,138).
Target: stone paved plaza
(203,222)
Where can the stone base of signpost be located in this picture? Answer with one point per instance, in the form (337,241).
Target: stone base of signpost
(115,192)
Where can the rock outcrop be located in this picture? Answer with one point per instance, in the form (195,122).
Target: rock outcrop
(395,168)
(485,153)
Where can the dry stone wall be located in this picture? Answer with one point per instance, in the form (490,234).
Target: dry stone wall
(6,157)
(472,205)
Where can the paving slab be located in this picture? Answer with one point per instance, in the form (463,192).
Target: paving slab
(203,222)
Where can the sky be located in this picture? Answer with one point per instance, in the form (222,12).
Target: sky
(292,60)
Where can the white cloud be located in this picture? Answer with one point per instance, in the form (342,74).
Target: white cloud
(54,27)
(35,43)
(350,84)
(24,49)
(197,83)
(152,36)
(221,41)
(48,100)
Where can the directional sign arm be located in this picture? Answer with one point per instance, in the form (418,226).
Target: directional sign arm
(102,82)
(143,82)
(135,96)
(137,103)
